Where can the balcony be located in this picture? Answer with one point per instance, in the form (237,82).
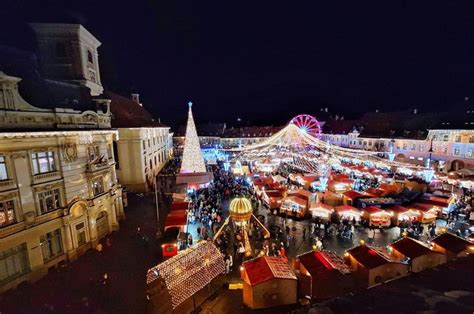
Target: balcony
(100,164)
(7,184)
(12,229)
(42,177)
(49,216)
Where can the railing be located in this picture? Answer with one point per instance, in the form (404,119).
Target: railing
(11,229)
(6,183)
(47,175)
(49,216)
(92,167)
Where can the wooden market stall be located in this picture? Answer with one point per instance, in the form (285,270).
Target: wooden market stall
(175,206)
(340,185)
(419,256)
(272,198)
(179,220)
(378,217)
(321,211)
(174,284)
(429,213)
(330,198)
(401,213)
(323,275)
(372,266)
(452,246)
(350,197)
(294,206)
(268,282)
(348,212)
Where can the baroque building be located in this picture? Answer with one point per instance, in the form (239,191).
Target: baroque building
(59,192)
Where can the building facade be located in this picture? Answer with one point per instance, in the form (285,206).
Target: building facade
(450,150)
(59,193)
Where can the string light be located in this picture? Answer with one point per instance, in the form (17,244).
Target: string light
(193,160)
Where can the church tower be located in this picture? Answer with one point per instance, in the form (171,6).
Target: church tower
(68,52)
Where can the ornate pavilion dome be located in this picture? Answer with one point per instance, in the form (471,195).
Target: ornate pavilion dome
(240,209)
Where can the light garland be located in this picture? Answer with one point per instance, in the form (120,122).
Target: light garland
(189,271)
(192,155)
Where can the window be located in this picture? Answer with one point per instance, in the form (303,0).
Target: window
(456,151)
(445,150)
(445,137)
(110,151)
(413,146)
(81,234)
(51,245)
(457,138)
(471,139)
(469,153)
(60,50)
(3,169)
(151,163)
(43,162)
(155,161)
(405,146)
(98,186)
(49,200)
(93,152)
(90,57)
(7,213)
(143,145)
(421,148)
(13,263)
(92,76)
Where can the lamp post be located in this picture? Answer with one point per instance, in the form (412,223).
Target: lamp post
(158,231)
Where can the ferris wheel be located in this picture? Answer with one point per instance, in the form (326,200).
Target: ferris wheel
(307,124)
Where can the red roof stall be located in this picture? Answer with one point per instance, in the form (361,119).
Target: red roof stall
(323,275)
(348,212)
(340,185)
(429,213)
(371,266)
(176,220)
(419,256)
(452,246)
(401,213)
(349,197)
(179,206)
(322,211)
(268,282)
(294,206)
(272,198)
(377,216)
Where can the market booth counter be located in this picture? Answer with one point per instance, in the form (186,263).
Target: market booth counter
(452,246)
(268,282)
(321,211)
(401,213)
(294,206)
(378,217)
(272,198)
(372,266)
(348,212)
(419,256)
(323,275)
(429,213)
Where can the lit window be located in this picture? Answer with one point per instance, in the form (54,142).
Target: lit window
(458,138)
(413,146)
(405,146)
(3,169)
(7,213)
(445,137)
(469,153)
(49,200)
(456,151)
(98,186)
(421,148)
(471,139)
(43,162)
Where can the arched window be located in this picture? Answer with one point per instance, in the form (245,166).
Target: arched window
(90,58)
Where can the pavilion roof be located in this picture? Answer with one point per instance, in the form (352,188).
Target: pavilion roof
(451,242)
(189,271)
(317,262)
(265,268)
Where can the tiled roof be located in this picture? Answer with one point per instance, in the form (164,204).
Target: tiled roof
(451,242)
(367,256)
(344,208)
(410,247)
(265,268)
(317,262)
(352,194)
(273,193)
(128,114)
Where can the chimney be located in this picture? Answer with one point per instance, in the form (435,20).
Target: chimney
(136,98)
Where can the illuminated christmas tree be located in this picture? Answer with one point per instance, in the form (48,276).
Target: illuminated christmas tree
(192,155)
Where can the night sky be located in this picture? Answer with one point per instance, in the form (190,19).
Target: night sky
(265,61)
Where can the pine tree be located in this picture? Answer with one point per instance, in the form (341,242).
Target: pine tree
(192,155)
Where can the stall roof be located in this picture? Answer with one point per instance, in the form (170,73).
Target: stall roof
(422,207)
(344,208)
(452,242)
(317,262)
(372,209)
(368,256)
(398,209)
(322,205)
(301,192)
(273,193)
(296,199)
(179,206)
(376,192)
(411,247)
(279,178)
(175,220)
(265,268)
(352,194)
